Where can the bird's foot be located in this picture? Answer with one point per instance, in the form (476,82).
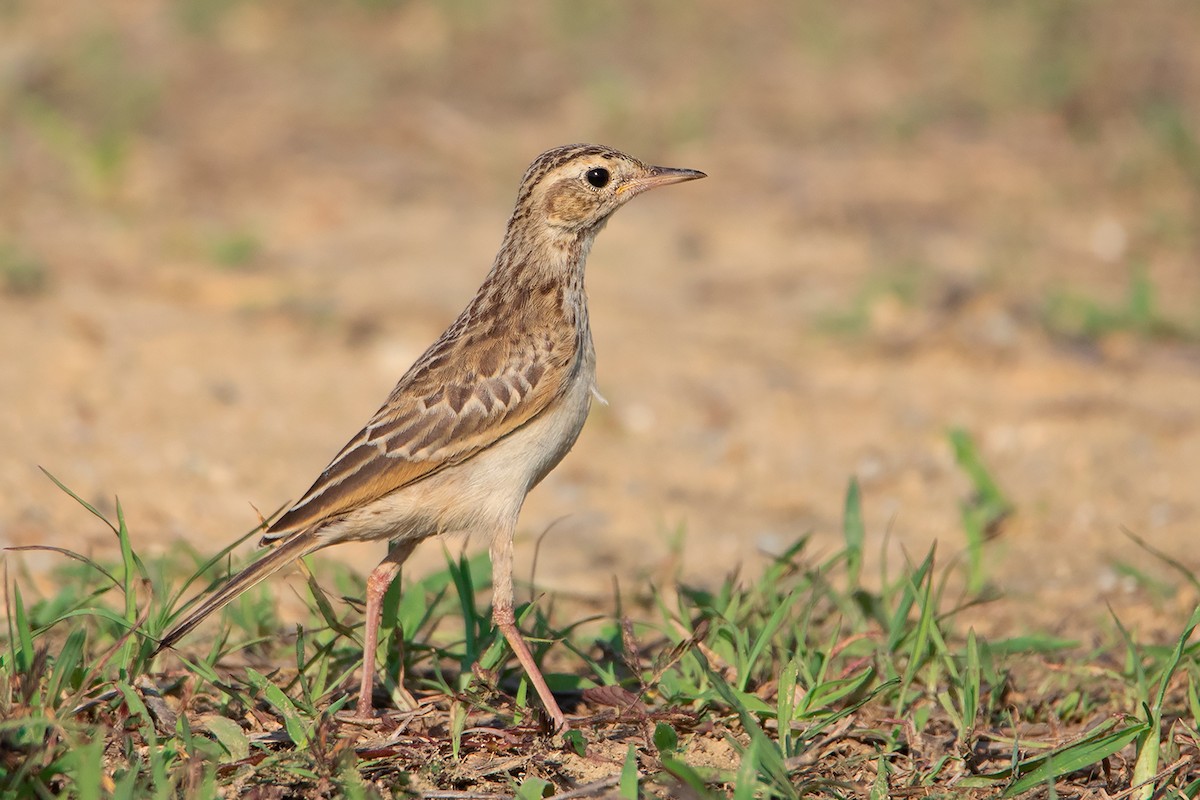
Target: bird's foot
(363,714)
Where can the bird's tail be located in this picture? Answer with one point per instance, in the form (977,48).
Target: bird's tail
(298,546)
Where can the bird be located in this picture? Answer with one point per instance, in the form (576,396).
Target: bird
(489,409)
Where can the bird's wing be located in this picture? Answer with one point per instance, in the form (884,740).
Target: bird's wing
(458,399)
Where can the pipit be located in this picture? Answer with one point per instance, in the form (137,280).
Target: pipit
(489,409)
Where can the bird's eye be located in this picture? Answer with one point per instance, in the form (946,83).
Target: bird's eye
(598,177)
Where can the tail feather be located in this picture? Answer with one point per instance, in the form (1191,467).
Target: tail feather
(292,549)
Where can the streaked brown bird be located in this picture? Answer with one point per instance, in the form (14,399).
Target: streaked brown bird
(489,409)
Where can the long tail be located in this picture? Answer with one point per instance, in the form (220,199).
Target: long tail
(298,546)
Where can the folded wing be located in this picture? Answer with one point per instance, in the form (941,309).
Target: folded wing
(441,413)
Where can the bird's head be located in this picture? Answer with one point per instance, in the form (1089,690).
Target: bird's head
(575,189)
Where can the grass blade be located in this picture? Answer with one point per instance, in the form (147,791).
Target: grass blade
(95,511)
(854,532)
(628,787)
(230,735)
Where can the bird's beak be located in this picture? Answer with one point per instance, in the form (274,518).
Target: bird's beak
(658,176)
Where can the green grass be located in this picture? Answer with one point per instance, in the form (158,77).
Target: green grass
(20,272)
(91,103)
(235,249)
(900,284)
(1080,317)
(809,680)
(984,512)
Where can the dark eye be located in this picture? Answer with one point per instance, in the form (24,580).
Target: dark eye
(598,177)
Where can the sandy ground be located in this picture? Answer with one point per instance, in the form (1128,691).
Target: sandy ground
(868,265)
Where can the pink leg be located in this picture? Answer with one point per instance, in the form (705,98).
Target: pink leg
(505,620)
(377,585)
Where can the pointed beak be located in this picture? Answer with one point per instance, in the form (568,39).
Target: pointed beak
(659,176)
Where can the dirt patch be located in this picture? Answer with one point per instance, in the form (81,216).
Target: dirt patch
(227,233)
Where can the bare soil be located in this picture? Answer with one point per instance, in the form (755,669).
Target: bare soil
(242,226)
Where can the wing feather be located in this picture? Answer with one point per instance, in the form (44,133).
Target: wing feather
(444,410)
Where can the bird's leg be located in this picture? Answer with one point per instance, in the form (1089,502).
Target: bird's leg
(505,620)
(377,585)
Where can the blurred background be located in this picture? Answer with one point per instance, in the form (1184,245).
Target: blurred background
(227,227)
